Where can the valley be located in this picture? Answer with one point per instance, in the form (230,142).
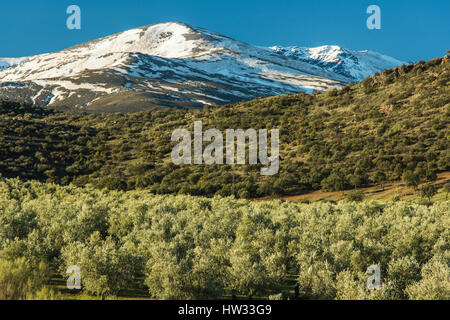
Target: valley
(90,190)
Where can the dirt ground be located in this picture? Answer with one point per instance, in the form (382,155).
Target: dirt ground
(389,191)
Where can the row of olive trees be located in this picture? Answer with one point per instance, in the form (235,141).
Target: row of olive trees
(182,247)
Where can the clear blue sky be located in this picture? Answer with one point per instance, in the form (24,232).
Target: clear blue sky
(411,29)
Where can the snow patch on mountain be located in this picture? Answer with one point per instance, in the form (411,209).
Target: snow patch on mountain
(10,62)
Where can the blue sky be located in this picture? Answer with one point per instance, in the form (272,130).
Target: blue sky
(411,29)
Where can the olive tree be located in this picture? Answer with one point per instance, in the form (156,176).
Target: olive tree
(105,267)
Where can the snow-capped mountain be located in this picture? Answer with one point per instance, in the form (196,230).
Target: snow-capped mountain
(172,64)
(355,65)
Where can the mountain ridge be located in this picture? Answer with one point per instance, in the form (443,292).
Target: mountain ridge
(388,127)
(174,64)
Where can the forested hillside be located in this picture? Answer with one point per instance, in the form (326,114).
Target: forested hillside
(390,126)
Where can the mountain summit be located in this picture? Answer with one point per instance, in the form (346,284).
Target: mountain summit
(174,64)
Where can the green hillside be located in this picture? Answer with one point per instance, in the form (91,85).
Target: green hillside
(390,126)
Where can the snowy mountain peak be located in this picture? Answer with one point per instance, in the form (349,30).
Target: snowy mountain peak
(176,64)
(168,40)
(165,40)
(355,65)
